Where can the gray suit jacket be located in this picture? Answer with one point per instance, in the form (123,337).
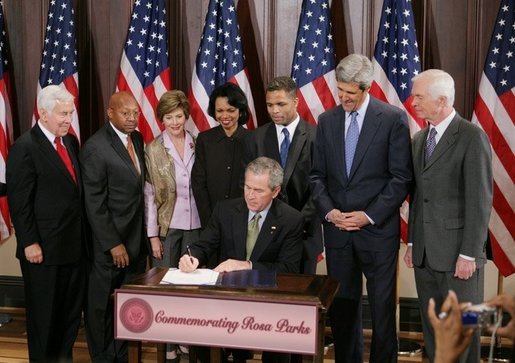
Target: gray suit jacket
(452,198)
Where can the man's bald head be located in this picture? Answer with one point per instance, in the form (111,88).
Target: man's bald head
(123,112)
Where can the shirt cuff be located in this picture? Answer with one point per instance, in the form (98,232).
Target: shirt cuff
(468,258)
(410,244)
(370,219)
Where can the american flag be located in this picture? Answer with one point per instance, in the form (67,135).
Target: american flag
(494,112)
(396,61)
(144,70)
(59,60)
(219,60)
(314,61)
(6,124)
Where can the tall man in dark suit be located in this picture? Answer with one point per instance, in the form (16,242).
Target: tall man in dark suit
(451,203)
(289,140)
(44,190)
(361,175)
(113,169)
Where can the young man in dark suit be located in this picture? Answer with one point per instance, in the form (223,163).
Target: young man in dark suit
(113,168)
(450,205)
(45,198)
(360,177)
(289,140)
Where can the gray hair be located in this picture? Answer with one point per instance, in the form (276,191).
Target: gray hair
(355,68)
(48,97)
(441,84)
(264,165)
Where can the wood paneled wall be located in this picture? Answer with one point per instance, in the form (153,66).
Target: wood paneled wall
(453,35)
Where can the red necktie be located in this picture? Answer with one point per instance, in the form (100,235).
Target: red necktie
(63,154)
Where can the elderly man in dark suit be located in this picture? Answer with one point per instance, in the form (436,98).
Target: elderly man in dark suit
(113,166)
(451,203)
(360,177)
(45,198)
(289,140)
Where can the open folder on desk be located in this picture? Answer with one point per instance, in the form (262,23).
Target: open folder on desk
(201,276)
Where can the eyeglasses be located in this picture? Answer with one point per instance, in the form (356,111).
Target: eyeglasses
(128,114)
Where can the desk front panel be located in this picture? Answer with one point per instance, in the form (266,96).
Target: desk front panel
(223,321)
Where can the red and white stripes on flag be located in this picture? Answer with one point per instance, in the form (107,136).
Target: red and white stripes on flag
(59,60)
(314,61)
(144,70)
(219,60)
(6,125)
(494,112)
(396,61)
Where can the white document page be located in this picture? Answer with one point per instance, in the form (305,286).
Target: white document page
(201,276)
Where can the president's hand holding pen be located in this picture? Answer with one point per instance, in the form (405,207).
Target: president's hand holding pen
(188,263)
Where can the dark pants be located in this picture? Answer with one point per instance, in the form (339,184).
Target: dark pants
(54,297)
(346,265)
(436,285)
(104,278)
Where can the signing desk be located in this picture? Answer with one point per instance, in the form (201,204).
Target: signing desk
(289,317)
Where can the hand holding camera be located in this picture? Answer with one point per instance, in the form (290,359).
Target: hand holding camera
(450,337)
(455,324)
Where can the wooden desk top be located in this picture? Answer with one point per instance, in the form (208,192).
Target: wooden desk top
(291,288)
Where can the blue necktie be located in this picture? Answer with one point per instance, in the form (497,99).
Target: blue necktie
(430,144)
(285,145)
(351,140)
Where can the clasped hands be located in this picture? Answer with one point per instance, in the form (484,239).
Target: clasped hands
(348,221)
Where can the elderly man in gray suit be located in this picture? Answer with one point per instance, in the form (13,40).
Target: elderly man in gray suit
(451,202)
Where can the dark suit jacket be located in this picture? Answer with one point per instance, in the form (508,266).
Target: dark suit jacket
(295,189)
(379,179)
(218,169)
(279,244)
(45,203)
(452,199)
(114,194)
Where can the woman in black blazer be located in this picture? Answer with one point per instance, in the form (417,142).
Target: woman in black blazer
(218,169)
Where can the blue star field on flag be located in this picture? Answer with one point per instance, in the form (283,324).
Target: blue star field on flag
(500,61)
(146,45)
(396,49)
(59,53)
(220,55)
(314,47)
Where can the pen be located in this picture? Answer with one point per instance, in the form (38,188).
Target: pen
(189,253)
